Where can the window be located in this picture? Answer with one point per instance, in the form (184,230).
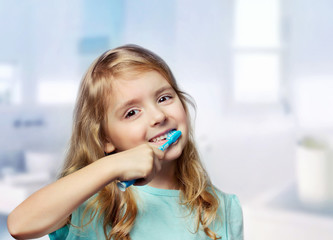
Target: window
(256,77)
(256,53)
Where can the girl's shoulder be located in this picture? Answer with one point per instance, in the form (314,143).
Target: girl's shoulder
(229,203)
(229,199)
(232,215)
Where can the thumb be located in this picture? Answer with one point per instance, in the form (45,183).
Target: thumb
(157,152)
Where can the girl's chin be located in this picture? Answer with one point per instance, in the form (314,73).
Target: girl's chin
(173,154)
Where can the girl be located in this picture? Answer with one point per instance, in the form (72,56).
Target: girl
(128,102)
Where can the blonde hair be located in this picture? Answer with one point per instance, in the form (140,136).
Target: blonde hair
(119,209)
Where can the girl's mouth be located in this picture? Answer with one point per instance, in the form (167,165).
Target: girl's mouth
(161,138)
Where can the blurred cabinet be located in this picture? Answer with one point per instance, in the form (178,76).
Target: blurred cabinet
(14,189)
(279,215)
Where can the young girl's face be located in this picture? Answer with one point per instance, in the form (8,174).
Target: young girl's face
(143,108)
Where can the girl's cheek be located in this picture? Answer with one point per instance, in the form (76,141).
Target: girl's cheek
(136,134)
(182,115)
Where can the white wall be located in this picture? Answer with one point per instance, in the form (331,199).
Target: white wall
(311,60)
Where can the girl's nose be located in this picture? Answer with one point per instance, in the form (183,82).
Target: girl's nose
(157,116)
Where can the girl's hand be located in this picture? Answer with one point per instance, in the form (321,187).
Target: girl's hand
(141,163)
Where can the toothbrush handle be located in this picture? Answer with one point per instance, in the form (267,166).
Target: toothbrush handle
(125,184)
(164,146)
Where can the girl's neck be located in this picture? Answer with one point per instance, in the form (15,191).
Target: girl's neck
(166,178)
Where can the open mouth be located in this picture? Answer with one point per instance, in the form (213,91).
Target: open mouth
(161,138)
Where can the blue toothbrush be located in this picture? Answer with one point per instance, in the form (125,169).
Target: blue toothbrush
(171,138)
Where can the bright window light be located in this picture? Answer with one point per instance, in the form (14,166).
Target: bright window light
(6,71)
(10,86)
(256,58)
(257,23)
(56,92)
(256,78)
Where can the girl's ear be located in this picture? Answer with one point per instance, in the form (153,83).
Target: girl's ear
(109,147)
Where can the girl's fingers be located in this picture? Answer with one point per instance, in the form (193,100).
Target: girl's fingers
(158,156)
(157,152)
(157,166)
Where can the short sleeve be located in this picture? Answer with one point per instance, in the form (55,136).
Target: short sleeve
(59,234)
(234,218)
(82,226)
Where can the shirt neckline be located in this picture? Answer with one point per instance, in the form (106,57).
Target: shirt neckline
(158,191)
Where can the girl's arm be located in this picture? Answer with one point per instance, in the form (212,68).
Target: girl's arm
(49,208)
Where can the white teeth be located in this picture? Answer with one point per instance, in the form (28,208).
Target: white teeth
(160,138)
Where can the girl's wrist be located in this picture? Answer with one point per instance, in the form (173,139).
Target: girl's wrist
(109,168)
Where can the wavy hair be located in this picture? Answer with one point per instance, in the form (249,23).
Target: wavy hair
(119,209)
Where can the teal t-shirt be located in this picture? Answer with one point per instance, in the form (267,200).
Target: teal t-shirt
(161,217)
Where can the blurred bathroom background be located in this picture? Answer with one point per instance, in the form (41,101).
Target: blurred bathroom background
(260,72)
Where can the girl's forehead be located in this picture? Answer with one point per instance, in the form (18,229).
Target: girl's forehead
(139,79)
(137,86)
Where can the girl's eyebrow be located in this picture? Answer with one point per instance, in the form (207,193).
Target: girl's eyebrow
(127,104)
(162,89)
(135,100)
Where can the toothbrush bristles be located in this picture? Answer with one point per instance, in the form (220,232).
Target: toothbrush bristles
(170,134)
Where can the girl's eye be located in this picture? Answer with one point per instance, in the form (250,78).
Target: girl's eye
(131,113)
(164,98)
